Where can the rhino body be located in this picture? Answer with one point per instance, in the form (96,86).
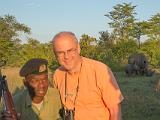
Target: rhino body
(138,65)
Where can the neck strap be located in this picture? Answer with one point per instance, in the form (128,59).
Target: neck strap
(77,88)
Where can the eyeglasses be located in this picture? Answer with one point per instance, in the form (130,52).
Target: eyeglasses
(69,52)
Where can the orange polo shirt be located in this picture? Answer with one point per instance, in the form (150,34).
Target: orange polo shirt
(91,92)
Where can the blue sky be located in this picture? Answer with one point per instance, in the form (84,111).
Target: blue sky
(48,17)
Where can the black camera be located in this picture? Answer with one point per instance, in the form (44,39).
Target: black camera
(67,114)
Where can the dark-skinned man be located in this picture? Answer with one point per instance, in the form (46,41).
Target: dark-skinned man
(38,101)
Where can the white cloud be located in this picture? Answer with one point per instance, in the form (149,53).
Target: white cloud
(32,4)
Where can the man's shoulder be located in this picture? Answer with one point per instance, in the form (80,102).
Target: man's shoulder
(53,92)
(60,69)
(60,72)
(20,93)
(94,63)
(20,96)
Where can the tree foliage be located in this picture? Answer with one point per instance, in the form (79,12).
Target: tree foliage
(122,21)
(88,46)
(9,33)
(34,49)
(151,48)
(154,27)
(112,48)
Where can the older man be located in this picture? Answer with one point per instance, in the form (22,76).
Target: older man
(86,86)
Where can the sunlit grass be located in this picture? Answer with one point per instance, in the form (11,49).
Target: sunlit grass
(15,82)
(142,101)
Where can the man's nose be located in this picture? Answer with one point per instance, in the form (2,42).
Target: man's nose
(41,83)
(66,55)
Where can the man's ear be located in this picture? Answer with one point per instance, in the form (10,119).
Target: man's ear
(25,82)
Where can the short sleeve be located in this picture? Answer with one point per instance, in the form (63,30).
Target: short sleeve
(109,88)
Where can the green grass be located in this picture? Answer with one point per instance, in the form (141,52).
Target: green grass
(141,100)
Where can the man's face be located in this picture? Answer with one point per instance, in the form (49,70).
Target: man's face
(37,85)
(67,52)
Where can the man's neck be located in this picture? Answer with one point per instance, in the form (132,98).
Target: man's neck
(37,100)
(78,68)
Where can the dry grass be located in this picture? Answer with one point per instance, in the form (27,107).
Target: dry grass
(15,82)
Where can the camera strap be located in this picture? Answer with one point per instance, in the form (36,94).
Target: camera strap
(77,88)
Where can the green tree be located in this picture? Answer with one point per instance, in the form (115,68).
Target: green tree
(122,50)
(140,29)
(34,49)
(88,46)
(9,35)
(149,28)
(122,21)
(106,40)
(104,47)
(151,48)
(113,53)
(154,27)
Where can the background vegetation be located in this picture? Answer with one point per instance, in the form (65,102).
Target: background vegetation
(128,35)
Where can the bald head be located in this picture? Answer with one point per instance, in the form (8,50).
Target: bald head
(64,35)
(64,41)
